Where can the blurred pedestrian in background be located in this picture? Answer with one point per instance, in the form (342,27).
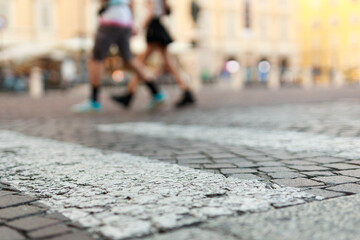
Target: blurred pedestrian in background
(158,39)
(116,27)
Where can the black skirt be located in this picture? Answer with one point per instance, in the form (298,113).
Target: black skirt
(157,33)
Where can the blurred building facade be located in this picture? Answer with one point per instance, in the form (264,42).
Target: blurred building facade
(330,39)
(47,23)
(246,31)
(291,39)
(250,32)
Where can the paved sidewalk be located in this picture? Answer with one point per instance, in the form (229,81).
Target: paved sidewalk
(302,139)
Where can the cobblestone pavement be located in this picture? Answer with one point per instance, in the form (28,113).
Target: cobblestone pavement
(310,144)
(24,217)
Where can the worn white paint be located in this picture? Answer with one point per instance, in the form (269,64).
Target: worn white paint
(291,141)
(122,196)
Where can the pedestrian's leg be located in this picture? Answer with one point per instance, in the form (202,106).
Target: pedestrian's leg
(125,100)
(103,41)
(187,96)
(170,65)
(96,69)
(158,97)
(144,74)
(143,59)
(96,73)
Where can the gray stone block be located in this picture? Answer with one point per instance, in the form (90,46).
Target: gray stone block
(318,173)
(244,164)
(336,179)
(284,175)
(274,169)
(324,193)
(348,188)
(219,165)
(73,236)
(32,223)
(5,193)
(352,173)
(246,176)
(10,234)
(308,168)
(237,170)
(355,162)
(298,162)
(297,182)
(13,200)
(342,166)
(15,212)
(261,158)
(325,160)
(49,232)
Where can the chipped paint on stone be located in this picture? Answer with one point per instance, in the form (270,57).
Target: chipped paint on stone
(291,141)
(121,195)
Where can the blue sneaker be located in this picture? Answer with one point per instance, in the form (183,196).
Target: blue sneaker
(88,106)
(157,100)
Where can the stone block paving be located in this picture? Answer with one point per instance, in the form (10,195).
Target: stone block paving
(24,217)
(318,173)
(311,171)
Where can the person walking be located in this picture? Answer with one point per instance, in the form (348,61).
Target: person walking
(116,27)
(158,39)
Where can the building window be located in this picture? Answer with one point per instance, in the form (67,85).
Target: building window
(247,15)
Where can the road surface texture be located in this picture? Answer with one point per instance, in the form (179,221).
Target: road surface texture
(254,164)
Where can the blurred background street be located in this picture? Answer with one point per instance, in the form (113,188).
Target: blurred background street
(235,43)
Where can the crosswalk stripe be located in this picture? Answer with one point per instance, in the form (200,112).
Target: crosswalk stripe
(291,141)
(120,195)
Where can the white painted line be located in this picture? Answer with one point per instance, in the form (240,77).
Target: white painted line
(122,196)
(233,136)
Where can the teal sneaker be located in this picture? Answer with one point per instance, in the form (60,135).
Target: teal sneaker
(88,106)
(157,100)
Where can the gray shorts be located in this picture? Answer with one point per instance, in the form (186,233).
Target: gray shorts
(108,35)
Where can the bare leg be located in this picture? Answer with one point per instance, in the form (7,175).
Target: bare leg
(96,69)
(141,73)
(169,63)
(187,97)
(96,72)
(143,58)
(144,75)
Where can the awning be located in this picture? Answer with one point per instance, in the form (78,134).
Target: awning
(24,51)
(76,44)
